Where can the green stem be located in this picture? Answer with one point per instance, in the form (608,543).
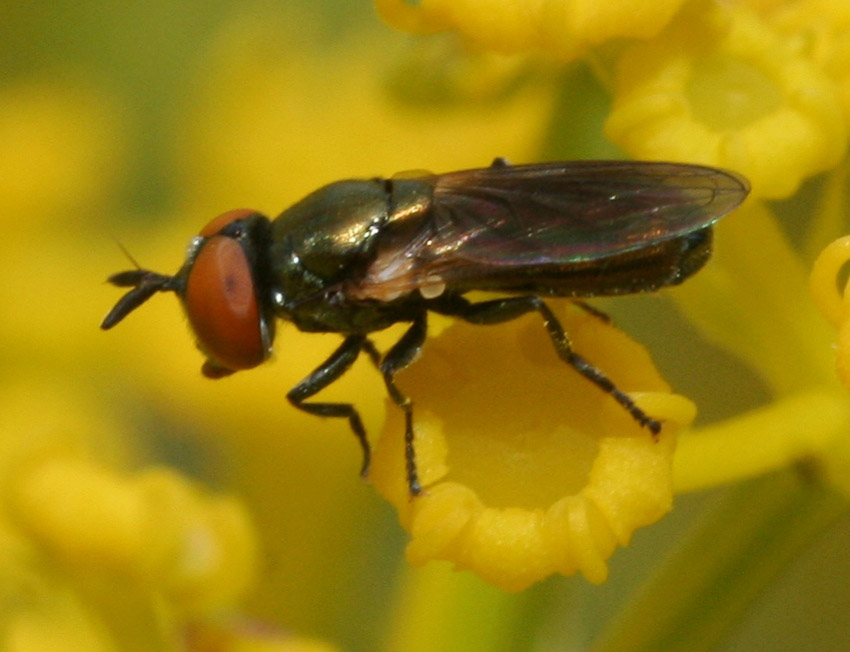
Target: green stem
(700,594)
(441,609)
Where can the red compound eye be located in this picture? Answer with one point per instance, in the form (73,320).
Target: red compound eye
(222,306)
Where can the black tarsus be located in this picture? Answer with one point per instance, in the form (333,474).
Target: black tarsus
(329,371)
(601,315)
(397,358)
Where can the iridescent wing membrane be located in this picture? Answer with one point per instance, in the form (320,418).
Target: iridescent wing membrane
(573,212)
(504,219)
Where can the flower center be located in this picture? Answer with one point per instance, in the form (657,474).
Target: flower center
(530,469)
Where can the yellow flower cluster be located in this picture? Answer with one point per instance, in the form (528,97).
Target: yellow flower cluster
(529,470)
(728,84)
(721,86)
(72,528)
(758,87)
(75,526)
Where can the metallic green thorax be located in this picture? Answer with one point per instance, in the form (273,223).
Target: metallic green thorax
(326,241)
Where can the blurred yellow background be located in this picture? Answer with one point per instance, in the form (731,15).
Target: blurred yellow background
(141,121)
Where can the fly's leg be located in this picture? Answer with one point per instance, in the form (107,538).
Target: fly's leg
(501,310)
(397,358)
(371,350)
(601,315)
(330,370)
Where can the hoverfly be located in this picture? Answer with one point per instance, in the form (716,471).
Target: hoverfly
(357,256)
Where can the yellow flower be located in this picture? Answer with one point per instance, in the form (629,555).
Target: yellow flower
(75,526)
(528,469)
(564,28)
(835,305)
(820,31)
(155,529)
(721,87)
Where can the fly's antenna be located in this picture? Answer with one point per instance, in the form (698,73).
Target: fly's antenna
(144,284)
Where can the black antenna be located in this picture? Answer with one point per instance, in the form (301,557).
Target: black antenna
(144,283)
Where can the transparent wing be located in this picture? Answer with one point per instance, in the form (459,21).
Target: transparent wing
(487,220)
(573,212)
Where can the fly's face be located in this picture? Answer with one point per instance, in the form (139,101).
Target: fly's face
(221,287)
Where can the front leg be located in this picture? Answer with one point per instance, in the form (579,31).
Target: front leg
(330,370)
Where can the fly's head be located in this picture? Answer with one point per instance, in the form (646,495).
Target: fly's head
(222,286)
